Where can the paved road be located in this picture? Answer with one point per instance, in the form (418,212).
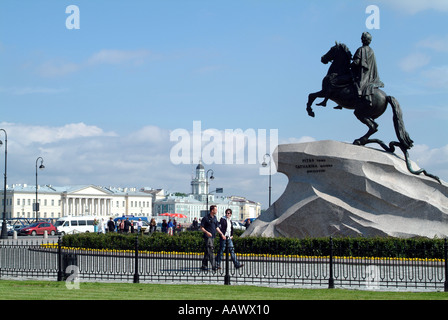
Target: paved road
(34,239)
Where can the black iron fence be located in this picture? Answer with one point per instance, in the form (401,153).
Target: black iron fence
(28,259)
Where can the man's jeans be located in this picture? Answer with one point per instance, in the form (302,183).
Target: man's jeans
(222,249)
(208,254)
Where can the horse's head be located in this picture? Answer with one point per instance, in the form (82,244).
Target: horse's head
(338,51)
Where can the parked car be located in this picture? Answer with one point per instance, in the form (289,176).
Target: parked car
(15,228)
(8,226)
(38,228)
(237,225)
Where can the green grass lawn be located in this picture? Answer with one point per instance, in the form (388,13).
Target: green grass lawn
(52,290)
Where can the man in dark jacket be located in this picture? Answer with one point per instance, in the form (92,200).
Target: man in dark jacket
(209,225)
(225,231)
(111,225)
(127,225)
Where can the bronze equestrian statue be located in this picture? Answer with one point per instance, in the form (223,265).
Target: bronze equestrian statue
(353,83)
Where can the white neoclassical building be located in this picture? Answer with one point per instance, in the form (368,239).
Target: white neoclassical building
(55,202)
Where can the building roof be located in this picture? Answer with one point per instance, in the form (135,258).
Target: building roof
(75,189)
(200,166)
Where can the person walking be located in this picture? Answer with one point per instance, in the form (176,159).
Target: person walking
(139,225)
(120,226)
(225,230)
(170,227)
(126,226)
(195,225)
(209,225)
(111,225)
(152,226)
(101,225)
(164,226)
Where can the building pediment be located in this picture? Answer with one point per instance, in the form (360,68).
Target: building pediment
(88,190)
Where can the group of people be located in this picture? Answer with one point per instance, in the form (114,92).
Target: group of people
(171,226)
(125,225)
(224,228)
(120,226)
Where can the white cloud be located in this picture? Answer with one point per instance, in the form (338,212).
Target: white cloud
(58,68)
(115,57)
(86,154)
(150,134)
(298,140)
(25,135)
(433,160)
(414,61)
(30,90)
(437,77)
(438,44)
(83,154)
(416,6)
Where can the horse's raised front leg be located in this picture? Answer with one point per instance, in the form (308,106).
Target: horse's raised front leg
(311,98)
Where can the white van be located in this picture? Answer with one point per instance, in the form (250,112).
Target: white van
(72,224)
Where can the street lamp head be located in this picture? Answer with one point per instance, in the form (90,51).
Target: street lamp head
(41,163)
(211,174)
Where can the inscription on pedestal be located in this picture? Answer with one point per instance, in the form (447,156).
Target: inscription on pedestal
(311,165)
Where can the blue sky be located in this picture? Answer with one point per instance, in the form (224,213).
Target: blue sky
(98,103)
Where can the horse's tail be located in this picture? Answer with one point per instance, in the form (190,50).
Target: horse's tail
(402,135)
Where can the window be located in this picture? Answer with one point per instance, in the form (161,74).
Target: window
(82,222)
(74,223)
(18,202)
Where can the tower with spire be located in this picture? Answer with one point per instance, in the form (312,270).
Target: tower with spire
(199,184)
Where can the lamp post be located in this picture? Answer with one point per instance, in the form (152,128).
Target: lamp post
(36,205)
(4,234)
(264,164)
(206,183)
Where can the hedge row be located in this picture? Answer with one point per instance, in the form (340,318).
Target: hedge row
(193,242)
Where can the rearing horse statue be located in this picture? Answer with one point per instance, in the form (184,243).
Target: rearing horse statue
(339,87)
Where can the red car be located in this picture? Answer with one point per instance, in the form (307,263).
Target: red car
(38,228)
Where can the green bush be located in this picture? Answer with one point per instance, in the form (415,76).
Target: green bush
(193,242)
